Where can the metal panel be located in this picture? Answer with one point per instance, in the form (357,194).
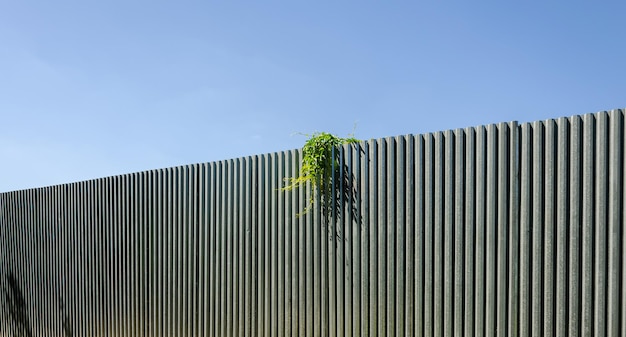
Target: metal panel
(623,257)
(575,230)
(470,232)
(248,250)
(288,254)
(588,215)
(295,230)
(537,229)
(303,201)
(615,223)
(562,225)
(229,246)
(411,237)
(316,262)
(479,243)
(355,223)
(372,150)
(448,232)
(240,241)
(501,230)
(355,233)
(459,231)
(513,264)
(387,179)
(503,227)
(600,224)
(397,205)
(273,245)
(428,234)
(308,253)
(280,218)
(365,230)
(438,223)
(491,231)
(383,300)
(526,249)
(549,252)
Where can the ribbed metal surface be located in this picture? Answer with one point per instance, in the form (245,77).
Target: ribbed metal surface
(497,230)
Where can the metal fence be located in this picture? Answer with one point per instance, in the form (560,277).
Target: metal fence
(498,230)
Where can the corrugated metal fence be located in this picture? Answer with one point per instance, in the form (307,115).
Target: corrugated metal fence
(498,230)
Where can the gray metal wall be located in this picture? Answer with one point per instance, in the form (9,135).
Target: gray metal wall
(498,230)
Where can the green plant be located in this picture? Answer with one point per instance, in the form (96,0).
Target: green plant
(318,163)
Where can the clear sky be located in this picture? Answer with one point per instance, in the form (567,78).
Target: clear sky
(98,88)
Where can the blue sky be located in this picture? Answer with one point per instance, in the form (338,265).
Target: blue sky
(98,88)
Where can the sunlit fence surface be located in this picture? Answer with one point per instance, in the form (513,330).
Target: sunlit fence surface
(499,230)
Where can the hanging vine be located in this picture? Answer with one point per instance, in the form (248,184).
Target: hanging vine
(318,164)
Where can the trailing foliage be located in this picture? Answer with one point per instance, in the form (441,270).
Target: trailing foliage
(318,163)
